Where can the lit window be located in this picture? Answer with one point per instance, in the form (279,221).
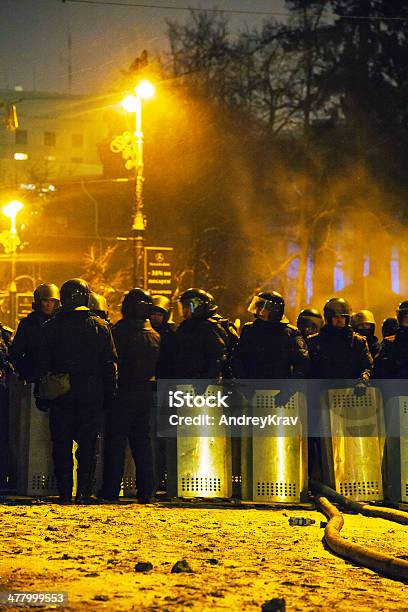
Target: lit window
(338,280)
(77,140)
(292,274)
(20,156)
(395,273)
(50,158)
(77,160)
(49,139)
(309,279)
(21,137)
(366,265)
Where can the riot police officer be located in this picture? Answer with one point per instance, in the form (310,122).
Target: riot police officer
(24,349)
(363,323)
(201,343)
(270,347)
(392,360)
(79,347)
(337,352)
(309,322)
(138,350)
(98,306)
(160,319)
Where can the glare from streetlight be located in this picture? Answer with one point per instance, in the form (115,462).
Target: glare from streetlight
(145,89)
(130,104)
(11,209)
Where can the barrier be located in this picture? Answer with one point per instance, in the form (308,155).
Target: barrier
(199,464)
(356,444)
(274,468)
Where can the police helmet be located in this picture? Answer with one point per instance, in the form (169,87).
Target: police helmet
(270,301)
(309,321)
(137,304)
(45,291)
(389,326)
(402,311)
(362,316)
(161,304)
(200,302)
(74,293)
(98,305)
(336,307)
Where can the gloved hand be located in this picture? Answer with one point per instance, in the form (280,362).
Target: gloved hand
(360,389)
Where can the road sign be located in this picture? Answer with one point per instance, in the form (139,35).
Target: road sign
(159,270)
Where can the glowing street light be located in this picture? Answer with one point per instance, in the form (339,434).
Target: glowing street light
(130,104)
(11,211)
(131,147)
(145,90)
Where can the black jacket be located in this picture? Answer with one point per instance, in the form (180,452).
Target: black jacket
(138,347)
(230,336)
(165,365)
(392,359)
(25,346)
(200,350)
(270,350)
(80,344)
(339,353)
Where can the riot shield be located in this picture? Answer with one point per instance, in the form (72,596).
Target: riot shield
(199,459)
(355,451)
(274,467)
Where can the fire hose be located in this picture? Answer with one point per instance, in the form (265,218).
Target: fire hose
(398,516)
(386,564)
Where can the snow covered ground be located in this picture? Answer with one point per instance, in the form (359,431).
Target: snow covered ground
(239,558)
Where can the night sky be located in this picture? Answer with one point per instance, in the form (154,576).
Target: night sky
(105,39)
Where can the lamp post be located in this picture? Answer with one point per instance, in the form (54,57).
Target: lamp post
(131,146)
(11,211)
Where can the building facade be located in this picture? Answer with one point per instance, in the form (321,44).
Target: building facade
(56,139)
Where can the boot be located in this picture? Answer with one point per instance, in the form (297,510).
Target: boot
(65,489)
(84,489)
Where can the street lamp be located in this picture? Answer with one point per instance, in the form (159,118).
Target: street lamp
(131,147)
(11,211)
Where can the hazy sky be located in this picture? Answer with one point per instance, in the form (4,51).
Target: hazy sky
(34,34)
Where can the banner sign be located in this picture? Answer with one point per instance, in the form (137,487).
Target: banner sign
(159,270)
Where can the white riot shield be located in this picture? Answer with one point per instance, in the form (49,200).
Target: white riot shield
(31,447)
(203,462)
(274,468)
(357,442)
(30,444)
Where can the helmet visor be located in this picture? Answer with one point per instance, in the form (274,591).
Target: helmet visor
(190,306)
(309,325)
(259,306)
